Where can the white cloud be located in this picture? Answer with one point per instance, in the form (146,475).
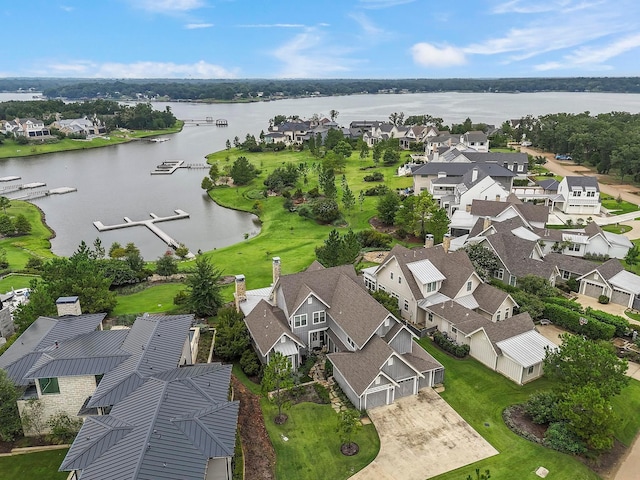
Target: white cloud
(169,6)
(89,69)
(367,26)
(273,25)
(195,26)
(376,4)
(428,55)
(605,52)
(307,55)
(66,8)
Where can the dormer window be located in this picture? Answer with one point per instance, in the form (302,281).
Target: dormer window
(469,285)
(431,287)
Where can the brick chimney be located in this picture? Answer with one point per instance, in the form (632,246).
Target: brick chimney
(487,223)
(275,268)
(446,242)
(68,306)
(241,291)
(428,241)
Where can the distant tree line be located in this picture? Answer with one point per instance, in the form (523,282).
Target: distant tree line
(185,89)
(111,113)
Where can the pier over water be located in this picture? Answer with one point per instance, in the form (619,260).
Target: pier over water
(150,224)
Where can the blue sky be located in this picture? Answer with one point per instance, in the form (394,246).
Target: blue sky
(320,39)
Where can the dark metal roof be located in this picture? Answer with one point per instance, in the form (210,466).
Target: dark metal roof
(42,334)
(167,429)
(155,344)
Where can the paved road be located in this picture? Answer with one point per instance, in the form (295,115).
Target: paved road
(628,192)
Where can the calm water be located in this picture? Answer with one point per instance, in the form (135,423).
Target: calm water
(114,182)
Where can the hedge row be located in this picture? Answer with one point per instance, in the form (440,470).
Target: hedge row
(621,323)
(564,302)
(447,345)
(593,328)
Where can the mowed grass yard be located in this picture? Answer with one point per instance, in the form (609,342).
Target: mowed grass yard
(285,234)
(480,395)
(39,465)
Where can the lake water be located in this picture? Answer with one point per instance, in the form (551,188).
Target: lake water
(115,182)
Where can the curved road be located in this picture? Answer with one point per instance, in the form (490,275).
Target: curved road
(628,192)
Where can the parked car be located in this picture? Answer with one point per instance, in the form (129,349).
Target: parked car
(526,143)
(563,157)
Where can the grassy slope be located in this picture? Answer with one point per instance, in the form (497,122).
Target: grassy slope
(10,149)
(312,450)
(155,299)
(285,234)
(40,465)
(480,395)
(20,249)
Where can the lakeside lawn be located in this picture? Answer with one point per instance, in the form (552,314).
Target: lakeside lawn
(40,465)
(285,234)
(155,299)
(615,207)
(480,395)
(15,281)
(11,149)
(35,244)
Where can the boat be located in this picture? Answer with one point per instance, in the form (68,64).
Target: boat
(159,140)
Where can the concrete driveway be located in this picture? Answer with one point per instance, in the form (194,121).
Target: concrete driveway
(421,436)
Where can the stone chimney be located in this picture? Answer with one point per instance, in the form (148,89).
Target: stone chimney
(498,199)
(474,174)
(275,268)
(68,306)
(428,241)
(446,242)
(241,291)
(487,223)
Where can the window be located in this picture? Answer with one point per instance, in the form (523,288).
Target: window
(391,275)
(390,362)
(399,279)
(498,317)
(351,342)
(431,287)
(530,370)
(431,317)
(520,167)
(300,320)
(309,300)
(574,247)
(454,330)
(577,193)
(499,274)
(49,385)
(98,378)
(566,275)
(406,305)
(319,317)
(506,313)
(469,285)
(377,380)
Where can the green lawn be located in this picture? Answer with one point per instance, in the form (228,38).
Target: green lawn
(156,299)
(285,234)
(35,244)
(10,149)
(15,281)
(40,465)
(615,207)
(480,395)
(312,450)
(616,228)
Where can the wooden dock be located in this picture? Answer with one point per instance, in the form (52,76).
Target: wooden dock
(220,122)
(22,186)
(33,194)
(167,168)
(150,224)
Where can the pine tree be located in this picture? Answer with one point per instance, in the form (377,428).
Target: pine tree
(348,199)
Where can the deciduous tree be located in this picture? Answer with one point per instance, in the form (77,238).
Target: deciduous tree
(277,377)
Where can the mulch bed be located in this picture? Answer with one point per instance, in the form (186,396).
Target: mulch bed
(605,465)
(259,455)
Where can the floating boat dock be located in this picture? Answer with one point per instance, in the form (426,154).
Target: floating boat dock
(168,167)
(33,194)
(23,186)
(9,179)
(150,224)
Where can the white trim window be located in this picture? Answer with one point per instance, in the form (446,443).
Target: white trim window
(300,320)
(319,317)
(499,274)
(469,285)
(406,305)
(431,287)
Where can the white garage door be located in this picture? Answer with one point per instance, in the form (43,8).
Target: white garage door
(405,388)
(620,298)
(376,399)
(592,290)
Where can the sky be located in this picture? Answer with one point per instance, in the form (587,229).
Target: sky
(319,39)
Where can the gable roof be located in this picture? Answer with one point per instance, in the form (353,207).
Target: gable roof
(489,298)
(168,428)
(18,359)
(527,349)
(515,254)
(527,211)
(154,344)
(499,331)
(581,182)
(266,325)
(576,265)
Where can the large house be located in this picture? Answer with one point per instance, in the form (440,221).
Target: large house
(374,357)
(612,280)
(31,128)
(70,364)
(177,423)
(80,126)
(580,195)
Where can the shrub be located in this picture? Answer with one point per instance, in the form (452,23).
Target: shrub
(374,177)
(325,210)
(322,392)
(181,297)
(328,368)
(450,346)
(621,324)
(560,438)
(305,211)
(373,239)
(597,257)
(249,363)
(566,303)
(593,328)
(376,191)
(541,407)
(305,368)
(63,428)
(313,193)
(603,299)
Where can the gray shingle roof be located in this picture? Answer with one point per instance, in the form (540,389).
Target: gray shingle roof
(575,265)
(528,211)
(166,429)
(155,344)
(266,324)
(582,181)
(609,268)
(18,359)
(489,298)
(515,254)
(458,169)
